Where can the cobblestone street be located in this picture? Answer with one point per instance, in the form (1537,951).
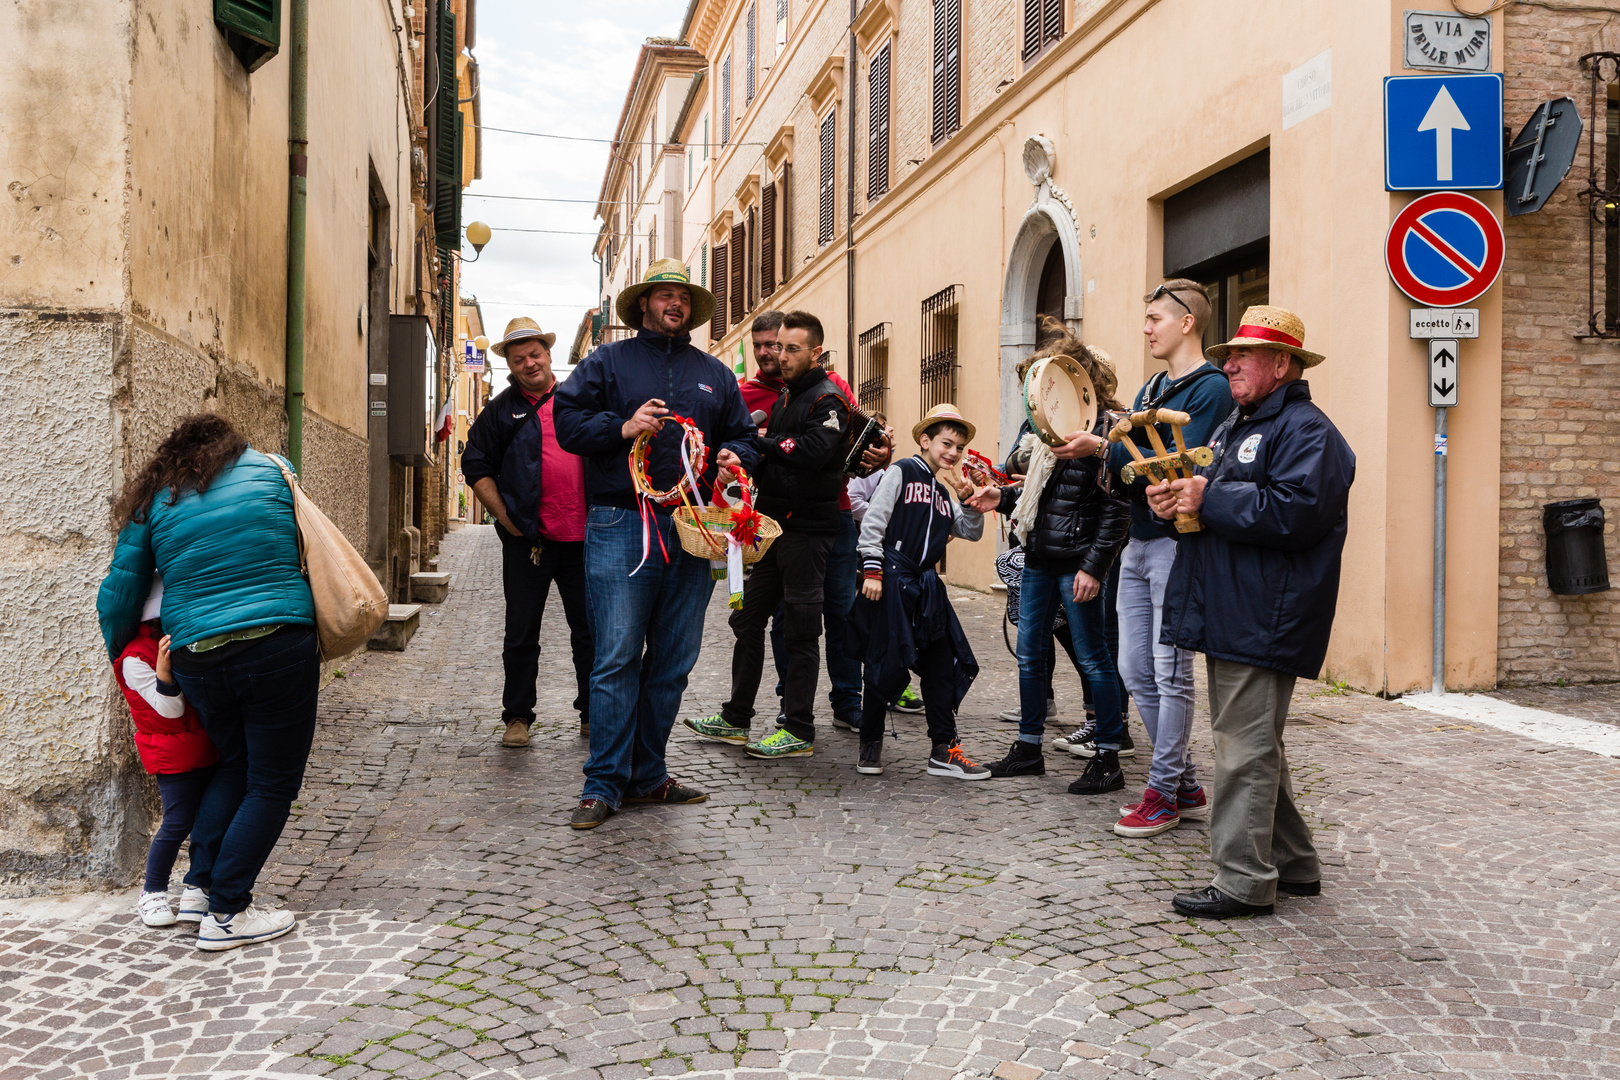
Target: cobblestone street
(809,922)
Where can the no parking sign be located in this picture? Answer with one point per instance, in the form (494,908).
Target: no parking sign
(1445,249)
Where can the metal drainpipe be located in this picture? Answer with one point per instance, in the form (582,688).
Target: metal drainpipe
(297,198)
(849,225)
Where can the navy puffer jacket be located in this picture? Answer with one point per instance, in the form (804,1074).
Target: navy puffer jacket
(1260,583)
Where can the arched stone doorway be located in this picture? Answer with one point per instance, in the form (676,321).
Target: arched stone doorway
(1043,272)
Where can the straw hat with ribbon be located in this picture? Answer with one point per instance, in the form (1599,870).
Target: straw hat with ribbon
(1270,327)
(519,329)
(935,415)
(665,272)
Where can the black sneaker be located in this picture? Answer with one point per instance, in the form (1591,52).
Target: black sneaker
(1127,746)
(871,762)
(847,722)
(590,813)
(1024,759)
(1102,774)
(947,759)
(1079,736)
(670,791)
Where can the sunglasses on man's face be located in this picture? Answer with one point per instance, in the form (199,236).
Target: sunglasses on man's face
(1163,290)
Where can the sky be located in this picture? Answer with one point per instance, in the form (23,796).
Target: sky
(559,68)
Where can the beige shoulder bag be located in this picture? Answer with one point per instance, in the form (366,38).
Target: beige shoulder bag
(349,601)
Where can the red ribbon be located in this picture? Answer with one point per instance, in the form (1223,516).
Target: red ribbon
(1268,334)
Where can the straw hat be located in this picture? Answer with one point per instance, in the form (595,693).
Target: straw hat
(935,415)
(1270,327)
(673,272)
(519,329)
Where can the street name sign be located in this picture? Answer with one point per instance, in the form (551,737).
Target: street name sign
(1445,249)
(1445,322)
(1443,373)
(1445,41)
(1442,131)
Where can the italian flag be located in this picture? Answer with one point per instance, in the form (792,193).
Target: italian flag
(742,362)
(442,426)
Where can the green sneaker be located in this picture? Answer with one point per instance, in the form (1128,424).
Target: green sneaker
(715,729)
(779,744)
(910,701)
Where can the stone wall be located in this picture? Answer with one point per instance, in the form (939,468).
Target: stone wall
(1561,396)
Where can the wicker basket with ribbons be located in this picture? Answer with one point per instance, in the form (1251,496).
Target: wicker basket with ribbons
(703,529)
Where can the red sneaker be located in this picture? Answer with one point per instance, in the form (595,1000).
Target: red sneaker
(1193,805)
(1153,815)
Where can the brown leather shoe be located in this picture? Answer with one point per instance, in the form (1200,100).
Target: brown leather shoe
(517,733)
(590,813)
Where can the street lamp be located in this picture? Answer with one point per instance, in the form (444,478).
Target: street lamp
(477,235)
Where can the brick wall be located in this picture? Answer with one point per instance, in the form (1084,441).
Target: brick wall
(1561,396)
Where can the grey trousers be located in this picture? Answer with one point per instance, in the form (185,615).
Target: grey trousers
(1256,835)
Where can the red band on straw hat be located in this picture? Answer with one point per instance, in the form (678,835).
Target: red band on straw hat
(1267,333)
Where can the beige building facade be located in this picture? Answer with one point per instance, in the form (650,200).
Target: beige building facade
(145,277)
(1006,158)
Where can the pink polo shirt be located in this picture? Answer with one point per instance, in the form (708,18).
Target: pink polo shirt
(562,488)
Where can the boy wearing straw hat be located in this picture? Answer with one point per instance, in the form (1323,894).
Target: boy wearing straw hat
(1254,591)
(647,597)
(536,491)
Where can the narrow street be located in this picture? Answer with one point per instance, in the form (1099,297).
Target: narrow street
(807,922)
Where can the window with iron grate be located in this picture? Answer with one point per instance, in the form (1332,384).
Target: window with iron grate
(877,103)
(827,206)
(947,68)
(939,347)
(872,369)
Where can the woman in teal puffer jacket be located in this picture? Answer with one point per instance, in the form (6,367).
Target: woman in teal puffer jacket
(215,518)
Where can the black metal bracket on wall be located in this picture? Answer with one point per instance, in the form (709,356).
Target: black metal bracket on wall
(1602,193)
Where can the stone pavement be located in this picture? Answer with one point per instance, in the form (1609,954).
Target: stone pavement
(809,922)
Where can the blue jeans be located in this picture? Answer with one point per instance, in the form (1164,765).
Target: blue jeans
(647,631)
(1159,676)
(838,597)
(259,710)
(1042,591)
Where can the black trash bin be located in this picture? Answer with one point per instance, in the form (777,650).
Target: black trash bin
(1576,563)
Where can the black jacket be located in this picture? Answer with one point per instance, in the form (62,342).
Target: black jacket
(801,468)
(1083,519)
(1259,584)
(505,443)
(618,378)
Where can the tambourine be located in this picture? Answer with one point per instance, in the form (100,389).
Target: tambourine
(694,452)
(1059,399)
(982,471)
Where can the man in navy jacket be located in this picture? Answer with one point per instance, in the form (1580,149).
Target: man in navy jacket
(1255,592)
(647,596)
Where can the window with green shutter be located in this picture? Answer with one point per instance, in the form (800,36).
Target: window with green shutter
(447,122)
(252,29)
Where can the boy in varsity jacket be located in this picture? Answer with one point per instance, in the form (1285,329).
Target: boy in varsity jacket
(903,621)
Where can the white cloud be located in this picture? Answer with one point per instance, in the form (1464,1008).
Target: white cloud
(544,67)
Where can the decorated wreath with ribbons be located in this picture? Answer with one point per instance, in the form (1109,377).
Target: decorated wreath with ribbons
(694,456)
(982,471)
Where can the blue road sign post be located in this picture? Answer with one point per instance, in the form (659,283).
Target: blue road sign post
(1442,132)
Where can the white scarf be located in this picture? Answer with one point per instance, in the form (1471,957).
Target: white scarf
(1041,463)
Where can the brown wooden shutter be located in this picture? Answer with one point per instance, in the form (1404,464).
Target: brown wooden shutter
(767,240)
(826,210)
(739,258)
(717,325)
(753,258)
(787,220)
(877,151)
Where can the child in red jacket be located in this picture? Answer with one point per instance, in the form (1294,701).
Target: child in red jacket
(175,749)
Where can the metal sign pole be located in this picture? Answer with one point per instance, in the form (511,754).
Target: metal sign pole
(1440,450)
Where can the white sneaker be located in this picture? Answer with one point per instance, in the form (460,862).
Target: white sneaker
(155,910)
(193,904)
(220,932)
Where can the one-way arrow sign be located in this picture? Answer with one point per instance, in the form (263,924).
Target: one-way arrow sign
(1443,373)
(1443,118)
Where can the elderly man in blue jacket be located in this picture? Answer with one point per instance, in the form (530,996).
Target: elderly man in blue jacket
(647,595)
(1255,591)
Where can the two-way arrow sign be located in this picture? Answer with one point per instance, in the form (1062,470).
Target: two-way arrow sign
(1443,118)
(1443,373)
